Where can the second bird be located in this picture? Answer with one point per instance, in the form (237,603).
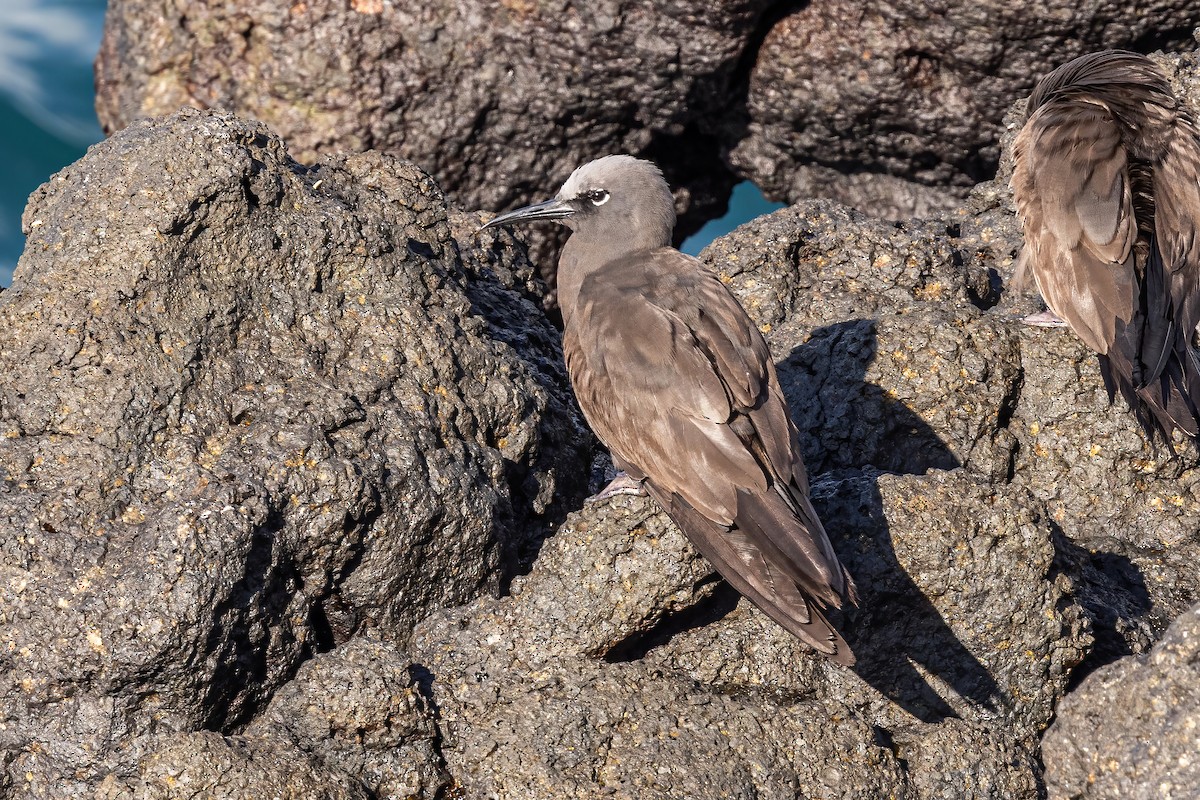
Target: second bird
(1106,179)
(676,380)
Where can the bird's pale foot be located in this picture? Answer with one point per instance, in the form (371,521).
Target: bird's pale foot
(621,484)
(1046,319)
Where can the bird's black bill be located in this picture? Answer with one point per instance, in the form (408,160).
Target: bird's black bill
(551,209)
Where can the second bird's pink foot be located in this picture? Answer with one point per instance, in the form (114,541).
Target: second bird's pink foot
(621,484)
(1046,319)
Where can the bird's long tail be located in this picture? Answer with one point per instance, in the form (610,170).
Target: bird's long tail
(1153,363)
(764,576)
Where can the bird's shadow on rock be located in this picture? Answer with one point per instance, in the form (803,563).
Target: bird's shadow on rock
(847,422)
(856,433)
(896,632)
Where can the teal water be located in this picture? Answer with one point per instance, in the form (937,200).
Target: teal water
(746,203)
(47,116)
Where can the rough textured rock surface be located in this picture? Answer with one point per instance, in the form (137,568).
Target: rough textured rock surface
(498,101)
(274,432)
(895,108)
(361,710)
(966,610)
(618,664)
(353,723)
(206,764)
(251,409)
(1132,729)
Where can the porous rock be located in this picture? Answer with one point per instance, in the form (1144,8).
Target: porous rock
(530,709)
(966,609)
(895,108)
(618,663)
(206,764)
(361,710)
(498,101)
(250,410)
(1131,729)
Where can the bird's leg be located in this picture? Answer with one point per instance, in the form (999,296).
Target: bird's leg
(621,484)
(1045,319)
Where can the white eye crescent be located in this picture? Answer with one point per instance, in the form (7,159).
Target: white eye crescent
(598,197)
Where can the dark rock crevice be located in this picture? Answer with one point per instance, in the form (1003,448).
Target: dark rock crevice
(237,642)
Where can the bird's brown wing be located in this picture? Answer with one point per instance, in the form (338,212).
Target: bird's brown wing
(1177,219)
(679,384)
(1071,185)
(1168,389)
(654,399)
(1107,182)
(742,563)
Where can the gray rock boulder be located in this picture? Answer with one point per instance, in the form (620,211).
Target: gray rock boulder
(353,723)
(885,354)
(362,710)
(1129,730)
(498,101)
(206,764)
(251,409)
(895,110)
(617,664)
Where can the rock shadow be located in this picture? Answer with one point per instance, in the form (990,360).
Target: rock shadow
(854,430)
(1114,595)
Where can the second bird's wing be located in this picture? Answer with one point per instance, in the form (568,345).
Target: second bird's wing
(1071,185)
(1176,223)
(1106,180)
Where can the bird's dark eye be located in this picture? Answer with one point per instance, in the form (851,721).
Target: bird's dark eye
(598,197)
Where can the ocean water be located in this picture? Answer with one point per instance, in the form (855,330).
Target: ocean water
(48,119)
(746,203)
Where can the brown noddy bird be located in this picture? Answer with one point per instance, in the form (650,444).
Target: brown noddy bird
(677,381)
(1106,180)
